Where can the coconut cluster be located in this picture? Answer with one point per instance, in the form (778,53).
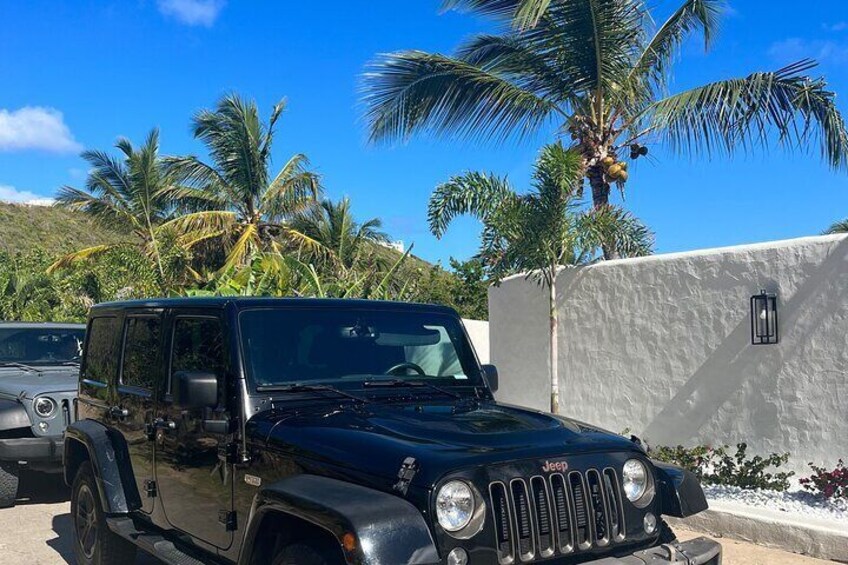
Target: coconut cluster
(616,171)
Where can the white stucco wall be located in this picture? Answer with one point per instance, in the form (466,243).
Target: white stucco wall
(478,332)
(661,345)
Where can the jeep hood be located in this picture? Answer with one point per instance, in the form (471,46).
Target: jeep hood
(15,382)
(377,437)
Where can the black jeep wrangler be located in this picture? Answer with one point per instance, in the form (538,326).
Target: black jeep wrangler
(296,431)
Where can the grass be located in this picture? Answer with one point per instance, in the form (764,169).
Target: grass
(24,228)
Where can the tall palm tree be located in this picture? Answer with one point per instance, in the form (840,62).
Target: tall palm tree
(331,226)
(539,231)
(234,197)
(838,227)
(598,71)
(131,194)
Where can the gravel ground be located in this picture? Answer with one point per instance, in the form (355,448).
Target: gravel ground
(38,531)
(798,503)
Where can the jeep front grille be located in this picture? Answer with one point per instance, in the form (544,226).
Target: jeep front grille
(556,515)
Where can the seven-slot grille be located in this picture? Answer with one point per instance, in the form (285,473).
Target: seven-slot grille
(560,514)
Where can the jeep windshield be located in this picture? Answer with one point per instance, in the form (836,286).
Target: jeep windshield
(349,348)
(30,347)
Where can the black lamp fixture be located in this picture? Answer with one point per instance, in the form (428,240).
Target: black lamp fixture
(764,318)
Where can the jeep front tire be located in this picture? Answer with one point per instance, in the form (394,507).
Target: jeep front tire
(94,542)
(8,483)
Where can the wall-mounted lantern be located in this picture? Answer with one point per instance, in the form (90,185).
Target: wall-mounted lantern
(764,318)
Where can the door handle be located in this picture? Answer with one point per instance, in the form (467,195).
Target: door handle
(118,413)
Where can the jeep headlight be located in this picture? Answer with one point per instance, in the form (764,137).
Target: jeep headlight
(455,505)
(44,406)
(636,482)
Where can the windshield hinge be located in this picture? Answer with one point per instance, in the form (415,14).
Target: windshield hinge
(150,488)
(405,475)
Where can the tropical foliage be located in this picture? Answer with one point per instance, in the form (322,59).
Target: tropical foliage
(134,195)
(234,199)
(838,227)
(598,72)
(541,230)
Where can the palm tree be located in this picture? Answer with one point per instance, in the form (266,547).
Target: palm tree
(131,194)
(598,70)
(234,197)
(838,227)
(331,226)
(540,231)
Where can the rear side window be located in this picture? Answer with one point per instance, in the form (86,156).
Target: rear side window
(102,350)
(198,346)
(141,351)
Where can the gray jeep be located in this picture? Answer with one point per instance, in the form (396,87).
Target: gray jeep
(39,367)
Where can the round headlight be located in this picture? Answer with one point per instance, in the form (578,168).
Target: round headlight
(635,480)
(454,505)
(44,407)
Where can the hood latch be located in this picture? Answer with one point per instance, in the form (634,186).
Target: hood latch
(405,475)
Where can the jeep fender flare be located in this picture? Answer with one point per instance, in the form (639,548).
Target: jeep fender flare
(109,456)
(388,529)
(13,415)
(679,490)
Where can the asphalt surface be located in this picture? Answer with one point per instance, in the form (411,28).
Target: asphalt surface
(38,530)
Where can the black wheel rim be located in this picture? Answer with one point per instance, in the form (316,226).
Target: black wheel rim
(86,521)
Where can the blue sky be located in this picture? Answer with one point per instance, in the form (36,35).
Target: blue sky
(80,74)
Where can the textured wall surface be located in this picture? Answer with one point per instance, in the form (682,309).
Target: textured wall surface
(478,331)
(661,345)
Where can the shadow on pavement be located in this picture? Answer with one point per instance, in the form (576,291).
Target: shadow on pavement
(42,488)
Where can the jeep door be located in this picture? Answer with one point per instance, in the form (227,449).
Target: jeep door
(193,471)
(139,376)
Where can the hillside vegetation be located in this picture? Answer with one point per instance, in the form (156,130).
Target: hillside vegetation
(24,228)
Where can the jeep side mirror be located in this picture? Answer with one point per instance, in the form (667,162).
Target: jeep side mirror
(195,389)
(491,374)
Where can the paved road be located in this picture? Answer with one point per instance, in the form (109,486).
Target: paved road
(38,531)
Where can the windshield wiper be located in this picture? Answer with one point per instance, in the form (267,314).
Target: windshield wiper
(20,366)
(400,383)
(309,388)
(71,363)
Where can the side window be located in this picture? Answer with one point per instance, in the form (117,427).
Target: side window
(101,357)
(141,349)
(198,346)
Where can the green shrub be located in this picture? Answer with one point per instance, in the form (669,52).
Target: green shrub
(717,466)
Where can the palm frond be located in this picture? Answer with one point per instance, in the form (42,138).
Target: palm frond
(244,247)
(616,231)
(784,107)
(838,227)
(198,223)
(413,91)
(693,15)
(82,255)
(477,194)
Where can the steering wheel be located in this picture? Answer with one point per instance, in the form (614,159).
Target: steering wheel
(406,366)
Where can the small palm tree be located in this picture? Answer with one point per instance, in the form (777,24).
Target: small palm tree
(341,238)
(598,71)
(540,231)
(131,194)
(838,227)
(235,198)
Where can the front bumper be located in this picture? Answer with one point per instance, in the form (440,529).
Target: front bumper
(39,450)
(699,551)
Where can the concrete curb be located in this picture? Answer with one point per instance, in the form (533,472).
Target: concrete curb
(816,537)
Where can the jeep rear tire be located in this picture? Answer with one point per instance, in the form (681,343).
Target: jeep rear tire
(94,542)
(9,473)
(306,554)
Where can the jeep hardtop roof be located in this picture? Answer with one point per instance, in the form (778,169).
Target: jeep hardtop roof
(257,302)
